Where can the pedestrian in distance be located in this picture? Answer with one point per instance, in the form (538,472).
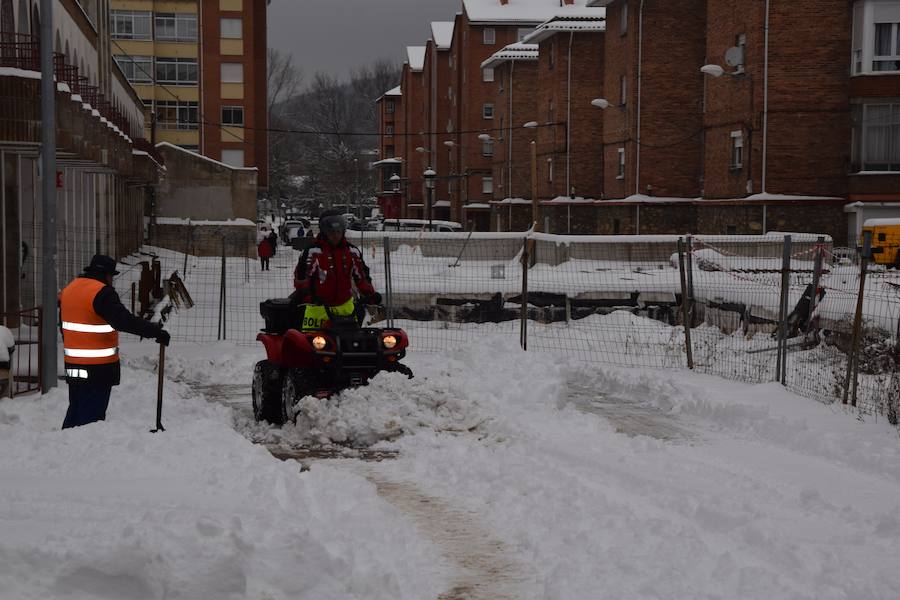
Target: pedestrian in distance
(273,239)
(265,251)
(91,316)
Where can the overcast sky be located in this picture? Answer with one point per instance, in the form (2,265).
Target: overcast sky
(336,35)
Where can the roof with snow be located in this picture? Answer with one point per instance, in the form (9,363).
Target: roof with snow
(512,52)
(203,157)
(391,92)
(595,24)
(526,12)
(442,34)
(416,57)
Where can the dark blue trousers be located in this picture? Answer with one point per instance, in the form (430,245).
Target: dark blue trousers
(87,404)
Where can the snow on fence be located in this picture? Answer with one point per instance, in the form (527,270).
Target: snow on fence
(621,300)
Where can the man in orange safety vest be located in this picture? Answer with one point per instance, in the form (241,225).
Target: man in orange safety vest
(91,316)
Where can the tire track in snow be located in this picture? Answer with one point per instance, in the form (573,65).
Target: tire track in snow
(484,569)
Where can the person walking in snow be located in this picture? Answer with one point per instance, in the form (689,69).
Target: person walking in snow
(273,239)
(326,272)
(265,250)
(91,316)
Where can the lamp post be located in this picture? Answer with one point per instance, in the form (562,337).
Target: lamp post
(395,180)
(429,176)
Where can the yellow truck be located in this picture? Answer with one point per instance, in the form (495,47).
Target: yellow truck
(885,240)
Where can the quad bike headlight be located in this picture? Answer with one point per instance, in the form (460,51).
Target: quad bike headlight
(319,342)
(389,341)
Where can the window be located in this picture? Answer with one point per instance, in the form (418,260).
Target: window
(737,149)
(487,148)
(487,185)
(623,90)
(231,29)
(876,37)
(489,36)
(487,74)
(621,173)
(177,71)
(389,152)
(232,73)
(129,25)
(887,47)
(388,130)
(137,69)
(176,27)
(233,158)
(389,107)
(487,111)
(876,137)
(623,19)
(523,33)
(177,114)
(232,115)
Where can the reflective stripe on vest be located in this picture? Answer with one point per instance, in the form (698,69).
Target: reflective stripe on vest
(87,338)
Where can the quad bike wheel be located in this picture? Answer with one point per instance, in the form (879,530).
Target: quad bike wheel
(296,384)
(266,392)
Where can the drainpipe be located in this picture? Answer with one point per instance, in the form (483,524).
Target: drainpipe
(568,191)
(637,160)
(765,147)
(509,152)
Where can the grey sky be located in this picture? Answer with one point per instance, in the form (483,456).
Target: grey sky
(336,35)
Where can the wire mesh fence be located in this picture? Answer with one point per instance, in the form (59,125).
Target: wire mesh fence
(751,308)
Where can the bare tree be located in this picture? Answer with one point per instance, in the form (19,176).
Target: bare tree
(283,80)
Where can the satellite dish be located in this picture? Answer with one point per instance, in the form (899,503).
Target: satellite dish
(735,56)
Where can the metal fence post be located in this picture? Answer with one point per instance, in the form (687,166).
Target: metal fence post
(852,377)
(685,310)
(780,370)
(222,334)
(388,286)
(247,258)
(523,327)
(689,272)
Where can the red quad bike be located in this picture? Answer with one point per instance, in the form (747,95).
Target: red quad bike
(318,363)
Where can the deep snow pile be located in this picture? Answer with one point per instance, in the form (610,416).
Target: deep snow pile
(595,482)
(112,511)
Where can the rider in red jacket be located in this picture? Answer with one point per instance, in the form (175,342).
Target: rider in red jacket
(326,272)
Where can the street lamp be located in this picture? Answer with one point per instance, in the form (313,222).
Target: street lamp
(601,103)
(395,182)
(530,125)
(423,150)
(712,70)
(429,176)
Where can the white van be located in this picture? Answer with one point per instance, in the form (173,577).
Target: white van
(421,225)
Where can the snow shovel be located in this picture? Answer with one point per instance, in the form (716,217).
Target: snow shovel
(159,389)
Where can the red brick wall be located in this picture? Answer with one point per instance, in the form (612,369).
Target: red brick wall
(620,54)
(255,144)
(809,131)
(518,80)
(414,124)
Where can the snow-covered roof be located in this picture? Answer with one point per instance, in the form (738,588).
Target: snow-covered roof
(600,2)
(526,12)
(558,24)
(394,92)
(442,34)
(881,222)
(206,158)
(512,52)
(416,57)
(388,161)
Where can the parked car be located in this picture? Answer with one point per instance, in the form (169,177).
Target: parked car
(421,225)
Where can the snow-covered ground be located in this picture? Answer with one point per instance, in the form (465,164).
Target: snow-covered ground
(517,475)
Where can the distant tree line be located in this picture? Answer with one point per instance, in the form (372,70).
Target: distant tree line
(329,166)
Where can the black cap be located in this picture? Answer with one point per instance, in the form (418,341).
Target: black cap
(332,220)
(102,265)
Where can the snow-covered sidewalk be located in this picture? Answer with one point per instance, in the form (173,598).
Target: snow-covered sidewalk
(519,475)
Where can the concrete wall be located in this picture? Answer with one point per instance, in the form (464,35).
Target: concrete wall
(195,187)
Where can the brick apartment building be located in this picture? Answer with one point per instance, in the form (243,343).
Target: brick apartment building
(104,168)
(413,125)
(713,116)
(390,116)
(200,68)
(515,72)
(435,151)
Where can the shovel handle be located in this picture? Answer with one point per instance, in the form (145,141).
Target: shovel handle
(161,369)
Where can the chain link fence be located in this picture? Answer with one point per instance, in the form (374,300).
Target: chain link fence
(778,307)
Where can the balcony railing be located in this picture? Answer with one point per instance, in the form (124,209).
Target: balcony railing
(23,51)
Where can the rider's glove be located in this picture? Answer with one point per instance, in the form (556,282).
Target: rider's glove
(373,298)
